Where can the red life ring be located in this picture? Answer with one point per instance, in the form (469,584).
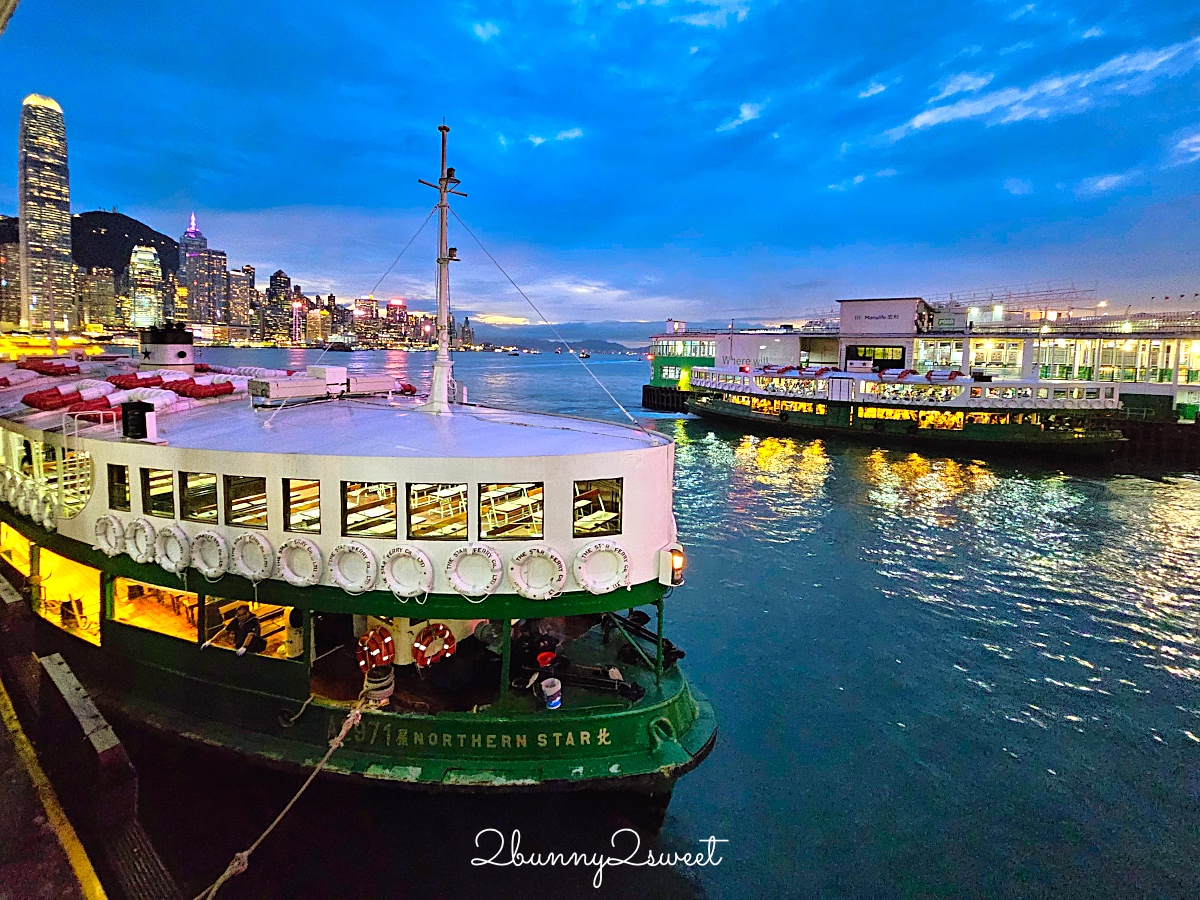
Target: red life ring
(431,633)
(407,389)
(375,648)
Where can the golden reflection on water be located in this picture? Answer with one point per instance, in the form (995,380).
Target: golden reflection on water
(800,466)
(915,483)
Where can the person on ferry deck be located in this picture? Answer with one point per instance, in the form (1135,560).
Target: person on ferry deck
(246,631)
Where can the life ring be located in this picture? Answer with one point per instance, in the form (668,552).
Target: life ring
(210,554)
(354,567)
(254,557)
(474,571)
(538,573)
(300,562)
(110,535)
(37,508)
(375,648)
(140,538)
(26,497)
(434,631)
(407,389)
(602,567)
(172,549)
(8,487)
(407,572)
(1027,404)
(50,515)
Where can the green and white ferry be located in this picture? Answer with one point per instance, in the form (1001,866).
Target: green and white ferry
(239,557)
(942,407)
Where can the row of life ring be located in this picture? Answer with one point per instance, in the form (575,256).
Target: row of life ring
(24,495)
(474,570)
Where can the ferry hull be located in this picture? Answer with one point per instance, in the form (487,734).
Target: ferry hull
(839,422)
(175,689)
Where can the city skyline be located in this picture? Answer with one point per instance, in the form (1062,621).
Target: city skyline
(674,159)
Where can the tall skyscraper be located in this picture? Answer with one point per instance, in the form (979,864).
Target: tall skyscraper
(10,271)
(44,209)
(203,272)
(241,287)
(145,288)
(96,298)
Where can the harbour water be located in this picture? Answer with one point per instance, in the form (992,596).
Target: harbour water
(932,677)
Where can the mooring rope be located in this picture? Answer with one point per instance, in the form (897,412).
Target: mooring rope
(241,861)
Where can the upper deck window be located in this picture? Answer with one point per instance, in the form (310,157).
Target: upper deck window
(369,509)
(510,511)
(118,487)
(437,512)
(597,507)
(246,501)
(301,506)
(199,497)
(158,493)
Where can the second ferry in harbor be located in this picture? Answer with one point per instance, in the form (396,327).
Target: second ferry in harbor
(943,408)
(239,557)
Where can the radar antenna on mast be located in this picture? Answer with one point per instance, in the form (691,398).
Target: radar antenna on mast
(439,396)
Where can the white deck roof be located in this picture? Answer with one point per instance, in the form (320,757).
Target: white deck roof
(370,427)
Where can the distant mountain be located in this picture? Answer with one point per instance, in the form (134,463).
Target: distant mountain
(592,346)
(8,230)
(106,239)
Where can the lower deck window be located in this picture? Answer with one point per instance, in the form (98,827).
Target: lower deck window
(67,595)
(510,511)
(14,547)
(264,629)
(155,608)
(597,507)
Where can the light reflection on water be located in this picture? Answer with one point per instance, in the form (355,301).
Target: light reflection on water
(959,677)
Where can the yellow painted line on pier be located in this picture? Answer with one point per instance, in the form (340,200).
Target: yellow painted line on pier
(89,884)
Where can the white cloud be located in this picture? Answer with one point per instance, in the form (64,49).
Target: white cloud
(485,31)
(569,135)
(1187,150)
(886,173)
(1103,184)
(1018,187)
(535,140)
(503,140)
(1056,95)
(693,50)
(1024,10)
(963,83)
(1093,32)
(860,178)
(716,13)
(871,90)
(747,112)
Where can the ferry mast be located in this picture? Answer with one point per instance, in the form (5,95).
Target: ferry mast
(439,395)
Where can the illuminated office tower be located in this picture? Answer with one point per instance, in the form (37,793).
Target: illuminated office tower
(44,210)
(241,286)
(96,298)
(145,288)
(10,271)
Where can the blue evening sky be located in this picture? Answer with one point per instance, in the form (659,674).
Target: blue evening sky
(628,161)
